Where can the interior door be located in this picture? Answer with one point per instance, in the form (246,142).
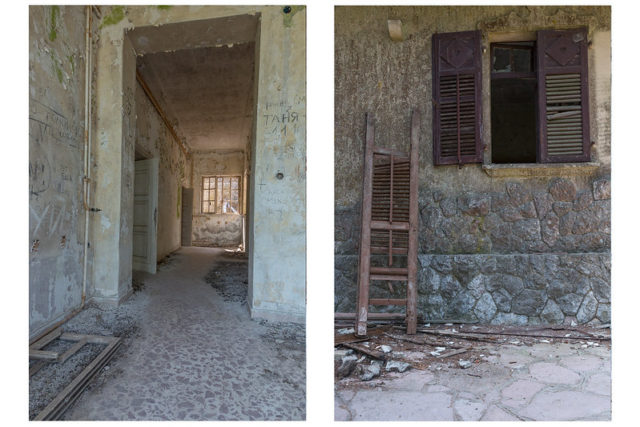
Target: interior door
(187,215)
(145,215)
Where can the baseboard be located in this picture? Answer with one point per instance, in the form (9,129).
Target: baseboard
(277,316)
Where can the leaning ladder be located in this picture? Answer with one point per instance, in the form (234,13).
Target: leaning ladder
(389,224)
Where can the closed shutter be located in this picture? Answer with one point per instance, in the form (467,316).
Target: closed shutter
(563,96)
(457,98)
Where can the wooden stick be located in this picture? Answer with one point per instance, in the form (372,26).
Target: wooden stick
(453,353)
(73,350)
(372,353)
(36,367)
(46,339)
(43,355)
(71,392)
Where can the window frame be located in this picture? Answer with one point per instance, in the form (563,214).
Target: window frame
(214,178)
(542,159)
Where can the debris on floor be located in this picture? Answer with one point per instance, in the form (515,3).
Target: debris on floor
(229,279)
(456,346)
(55,355)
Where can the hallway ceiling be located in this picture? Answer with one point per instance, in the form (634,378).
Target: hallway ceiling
(202,74)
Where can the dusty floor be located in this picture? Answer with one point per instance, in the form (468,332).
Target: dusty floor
(191,352)
(531,379)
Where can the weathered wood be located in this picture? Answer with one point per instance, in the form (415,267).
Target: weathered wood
(43,355)
(453,353)
(412,255)
(369,352)
(91,339)
(74,348)
(71,392)
(42,342)
(388,301)
(457,335)
(36,367)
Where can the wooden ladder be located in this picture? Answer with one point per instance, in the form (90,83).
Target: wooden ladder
(389,224)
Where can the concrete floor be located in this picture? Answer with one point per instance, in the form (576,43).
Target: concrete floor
(550,382)
(196,356)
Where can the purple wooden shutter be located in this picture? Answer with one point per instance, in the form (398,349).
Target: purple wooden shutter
(563,92)
(457,98)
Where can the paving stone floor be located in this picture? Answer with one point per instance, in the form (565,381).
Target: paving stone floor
(196,356)
(546,382)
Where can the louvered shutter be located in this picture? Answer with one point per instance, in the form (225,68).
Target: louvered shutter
(457,98)
(563,96)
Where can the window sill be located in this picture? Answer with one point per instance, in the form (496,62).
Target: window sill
(525,170)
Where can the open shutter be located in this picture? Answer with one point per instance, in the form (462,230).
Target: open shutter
(457,98)
(564,97)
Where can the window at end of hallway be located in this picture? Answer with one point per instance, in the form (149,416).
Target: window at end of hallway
(221,194)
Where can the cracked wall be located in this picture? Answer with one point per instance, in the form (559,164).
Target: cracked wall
(466,216)
(56,138)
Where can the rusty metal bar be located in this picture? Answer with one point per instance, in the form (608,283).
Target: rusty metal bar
(161,113)
(388,301)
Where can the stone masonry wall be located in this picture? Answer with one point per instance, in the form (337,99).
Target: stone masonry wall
(528,246)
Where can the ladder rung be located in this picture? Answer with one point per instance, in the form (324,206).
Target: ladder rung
(385,250)
(390,152)
(389,277)
(384,225)
(389,270)
(388,301)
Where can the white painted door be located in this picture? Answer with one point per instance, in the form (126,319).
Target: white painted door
(145,215)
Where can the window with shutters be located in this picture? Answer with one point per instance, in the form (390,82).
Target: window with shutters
(221,194)
(539,99)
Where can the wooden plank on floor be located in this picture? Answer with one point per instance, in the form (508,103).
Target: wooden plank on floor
(71,392)
(91,339)
(36,367)
(74,348)
(43,355)
(38,345)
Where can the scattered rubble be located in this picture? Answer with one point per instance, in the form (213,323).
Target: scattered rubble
(433,346)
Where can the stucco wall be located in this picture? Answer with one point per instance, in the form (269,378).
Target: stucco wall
(56,137)
(277,228)
(154,140)
(467,216)
(216,229)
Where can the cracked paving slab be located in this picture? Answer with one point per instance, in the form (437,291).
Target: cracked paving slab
(550,382)
(194,354)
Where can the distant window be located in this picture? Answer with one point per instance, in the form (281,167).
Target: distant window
(221,194)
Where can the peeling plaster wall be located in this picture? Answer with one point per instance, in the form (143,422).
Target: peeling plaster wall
(467,217)
(215,229)
(277,230)
(153,140)
(56,130)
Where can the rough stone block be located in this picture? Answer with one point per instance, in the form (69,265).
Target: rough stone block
(569,303)
(602,189)
(474,205)
(552,313)
(588,308)
(509,319)
(604,313)
(485,308)
(562,189)
(502,300)
(561,208)
(529,302)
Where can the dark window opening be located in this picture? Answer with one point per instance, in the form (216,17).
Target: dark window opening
(513,120)
(513,103)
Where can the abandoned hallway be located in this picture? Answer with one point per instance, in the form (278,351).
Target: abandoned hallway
(191,352)
(167,133)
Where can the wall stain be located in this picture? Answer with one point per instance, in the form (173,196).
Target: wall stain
(116,15)
(55,14)
(287,18)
